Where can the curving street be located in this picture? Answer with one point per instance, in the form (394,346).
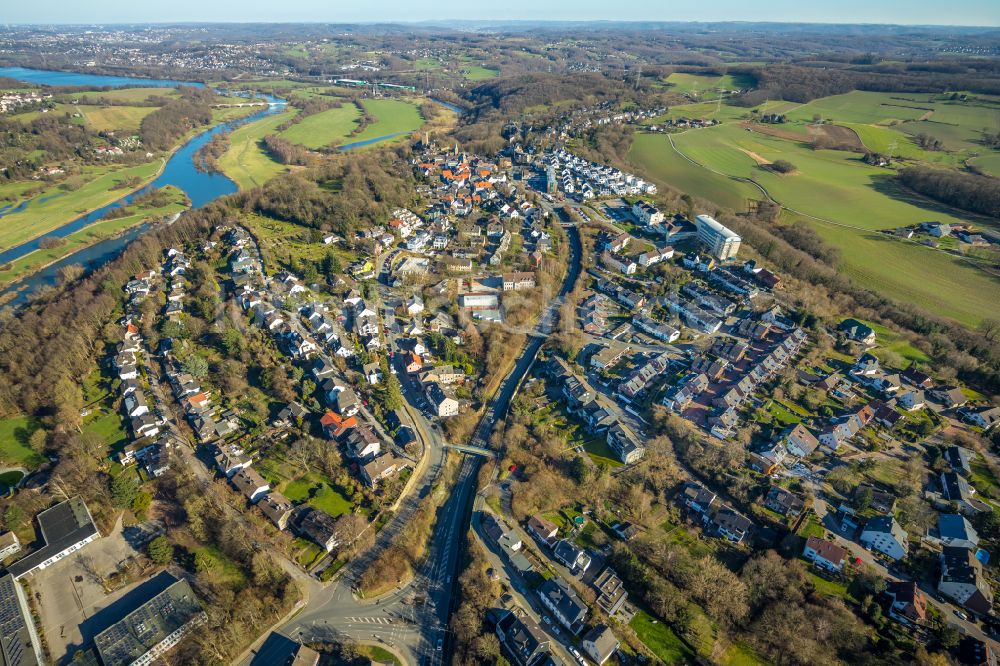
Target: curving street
(413,619)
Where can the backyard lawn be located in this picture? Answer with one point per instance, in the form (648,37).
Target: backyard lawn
(15,433)
(317,493)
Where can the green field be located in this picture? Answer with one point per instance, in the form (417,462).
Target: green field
(660,639)
(479,73)
(392,117)
(909,272)
(112,118)
(705,87)
(664,166)
(41,217)
(108,425)
(865,107)
(124,95)
(892,341)
(989,163)
(838,195)
(318,494)
(14,435)
(324,128)
(93,233)
(245,161)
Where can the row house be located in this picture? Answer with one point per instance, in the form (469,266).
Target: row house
(730,280)
(643,375)
(657,329)
(692,315)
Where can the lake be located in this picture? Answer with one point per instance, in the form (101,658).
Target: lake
(51,78)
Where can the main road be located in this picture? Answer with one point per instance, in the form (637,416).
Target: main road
(413,619)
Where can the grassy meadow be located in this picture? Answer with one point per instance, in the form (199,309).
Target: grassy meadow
(55,205)
(15,433)
(324,128)
(392,116)
(845,200)
(89,235)
(246,161)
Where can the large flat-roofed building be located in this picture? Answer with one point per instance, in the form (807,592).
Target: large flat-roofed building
(66,528)
(145,634)
(19,644)
(721,241)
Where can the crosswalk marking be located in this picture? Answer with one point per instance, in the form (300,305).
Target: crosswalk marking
(370,620)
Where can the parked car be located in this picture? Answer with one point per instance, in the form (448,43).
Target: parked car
(960,615)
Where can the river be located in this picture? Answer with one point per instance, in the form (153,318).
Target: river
(179,171)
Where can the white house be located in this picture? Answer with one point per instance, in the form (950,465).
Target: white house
(825,554)
(884,534)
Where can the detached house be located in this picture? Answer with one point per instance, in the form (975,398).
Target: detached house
(884,534)
(949,396)
(962,579)
(731,524)
(572,557)
(825,554)
(543,529)
(907,604)
(251,484)
(855,330)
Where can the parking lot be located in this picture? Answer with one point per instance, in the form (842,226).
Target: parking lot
(71,591)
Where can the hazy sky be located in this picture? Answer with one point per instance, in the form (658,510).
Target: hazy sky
(950,12)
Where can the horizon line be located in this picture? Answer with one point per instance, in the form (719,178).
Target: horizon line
(433,22)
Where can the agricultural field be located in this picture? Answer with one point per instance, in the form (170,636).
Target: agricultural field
(989,164)
(664,166)
(392,117)
(901,270)
(119,95)
(834,192)
(479,73)
(324,128)
(113,118)
(246,161)
(865,107)
(55,206)
(705,87)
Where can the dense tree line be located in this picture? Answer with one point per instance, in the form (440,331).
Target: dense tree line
(160,129)
(207,157)
(286,152)
(513,95)
(803,82)
(342,195)
(979,194)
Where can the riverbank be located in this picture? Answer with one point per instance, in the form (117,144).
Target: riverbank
(21,268)
(54,207)
(36,221)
